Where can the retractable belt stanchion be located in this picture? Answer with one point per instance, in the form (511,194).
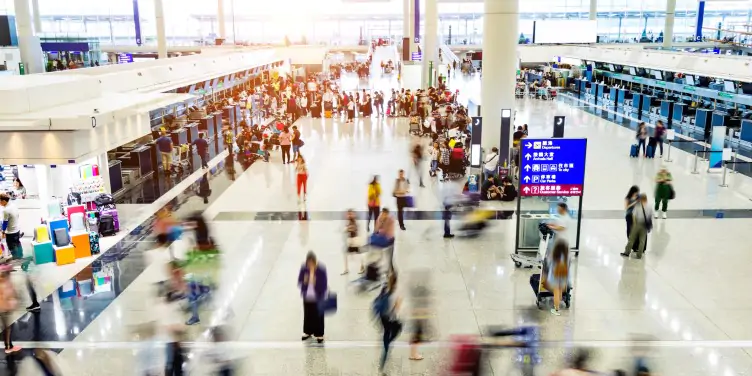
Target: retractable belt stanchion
(736,158)
(694,170)
(723,182)
(670,144)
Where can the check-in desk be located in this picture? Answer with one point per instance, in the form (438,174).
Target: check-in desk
(584,93)
(206,125)
(633,107)
(621,95)
(649,111)
(228,113)
(193,130)
(667,112)
(179,136)
(679,116)
(702,122)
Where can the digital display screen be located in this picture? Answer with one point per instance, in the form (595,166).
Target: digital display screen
(729,86)
(689,80)
(475,155)
(658,75)
(577,31)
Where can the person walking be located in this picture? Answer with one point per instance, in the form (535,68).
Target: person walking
(642,136)
(285,141)
(659,135)
(8,303)
(641,225)
(557,277)
(417,154)
(202,146)
(350,110)
(664,191)
(353,246)
(312,282)
(400,192)
(434,159)
(374,201)
(302,177)
(164,144)
(630,200)
(385,227)
(296,142)
(386,307)
(11,230)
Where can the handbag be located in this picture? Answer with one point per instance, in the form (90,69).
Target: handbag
(328,305)
(648,221)
(671,192)
(379,240)
(409,202)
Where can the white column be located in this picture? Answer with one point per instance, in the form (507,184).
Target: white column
(221,18)
(593,10)
(500,63)
(161,34)
(28,43)
(104,171)
(37,19)
(668,28)
(407,21)
(430,42)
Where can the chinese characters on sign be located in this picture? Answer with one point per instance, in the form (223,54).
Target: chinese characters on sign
(552,167)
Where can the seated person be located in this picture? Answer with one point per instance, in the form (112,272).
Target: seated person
(489,190)
(508,190)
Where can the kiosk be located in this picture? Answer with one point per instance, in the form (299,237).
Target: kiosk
(551,171)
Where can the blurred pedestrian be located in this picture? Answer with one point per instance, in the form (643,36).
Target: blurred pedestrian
(642,223)
(420,302)
(301,170)
(578,365)
(400,192)
(557,277)
(417,154)
(312,281)
(385,226)
(386,307)
(352,241)
(8,303)
(664,191)
(374,201)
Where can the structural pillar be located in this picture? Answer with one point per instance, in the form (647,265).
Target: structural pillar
(668,28)
(29,45)
(104,171)
(37,19)
(500,63)
(700,18)
(407,30)
(161,34)
(593,10)
(221,19)
(431,61)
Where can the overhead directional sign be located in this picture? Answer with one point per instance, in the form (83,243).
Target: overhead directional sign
(552,167)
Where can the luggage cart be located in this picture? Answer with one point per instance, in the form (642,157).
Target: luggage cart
(534,260)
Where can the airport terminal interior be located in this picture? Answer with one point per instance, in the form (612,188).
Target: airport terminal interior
(196,187)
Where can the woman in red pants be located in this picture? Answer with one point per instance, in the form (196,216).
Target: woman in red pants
(302,174)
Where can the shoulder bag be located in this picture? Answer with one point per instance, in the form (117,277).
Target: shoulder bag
(648,221)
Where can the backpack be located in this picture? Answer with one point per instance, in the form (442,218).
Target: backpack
(381,304)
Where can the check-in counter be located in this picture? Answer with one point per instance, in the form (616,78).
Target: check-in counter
(193,130)
(206,125)
(678,119)
(179,136)
(702,122)
(647,108)
(633,107)
(228,113)
(667,112)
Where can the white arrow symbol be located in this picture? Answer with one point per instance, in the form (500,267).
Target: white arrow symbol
(528,145)
(527,167)
(559,121)
(526,189)
(527,179)
(527,156)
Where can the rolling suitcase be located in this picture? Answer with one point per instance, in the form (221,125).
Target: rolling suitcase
(633,150)
(114,214)
(650,152)
(106,225)
(94,242)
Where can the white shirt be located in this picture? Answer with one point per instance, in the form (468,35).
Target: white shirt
(568,225)
(328,96)
(10,214)
(491,162)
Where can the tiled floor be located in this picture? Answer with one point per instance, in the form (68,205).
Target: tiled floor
(687,295)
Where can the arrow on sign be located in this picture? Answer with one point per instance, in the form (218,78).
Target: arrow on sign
(527,179)
(528,145)
(527,156)
(526,189)
(527,167)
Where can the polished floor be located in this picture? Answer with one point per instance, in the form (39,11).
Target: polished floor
(686,298)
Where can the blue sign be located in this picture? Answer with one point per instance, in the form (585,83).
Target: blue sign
(416,56)
(137,22)
(125,58)
(552,167)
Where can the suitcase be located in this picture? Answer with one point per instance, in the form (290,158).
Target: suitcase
(107,225)
(541,293)
(94,242)
(316,112)
(328,114)
(633,150)
(650,152)
(114,214)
